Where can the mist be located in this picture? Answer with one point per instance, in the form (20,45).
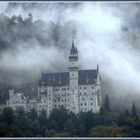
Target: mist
(104,35)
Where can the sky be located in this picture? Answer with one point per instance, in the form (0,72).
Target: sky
(106,34)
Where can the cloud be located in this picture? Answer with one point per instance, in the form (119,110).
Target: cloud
(104,36)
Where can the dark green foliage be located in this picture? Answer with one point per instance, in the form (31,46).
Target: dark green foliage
(32,114)
(8,115)
(106,106)
(127,114)
(106,131)
(60,116)
(60,123)
(69,127)
(134,110)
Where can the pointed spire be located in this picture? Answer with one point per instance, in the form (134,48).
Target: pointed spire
(97,68)
(73,48)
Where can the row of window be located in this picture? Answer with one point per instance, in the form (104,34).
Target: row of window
(57,89)
(64,100)
(62,94)
(18,102)
(68,94)
(87,94)
(86,104)
(83,99)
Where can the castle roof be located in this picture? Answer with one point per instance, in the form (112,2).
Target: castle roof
(62,79)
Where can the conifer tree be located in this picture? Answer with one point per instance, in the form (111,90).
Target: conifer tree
(134,110)
(106,106)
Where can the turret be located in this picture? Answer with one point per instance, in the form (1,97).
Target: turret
(73,77)
(11,93)
(73,58)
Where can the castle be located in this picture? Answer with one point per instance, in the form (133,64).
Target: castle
(77,90)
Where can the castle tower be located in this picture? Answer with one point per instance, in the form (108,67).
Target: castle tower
(73,77)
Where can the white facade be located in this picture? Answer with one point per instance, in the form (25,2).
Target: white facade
(74,96)
(76,90)
(16,100)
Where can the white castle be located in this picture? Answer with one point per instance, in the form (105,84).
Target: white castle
(76,90)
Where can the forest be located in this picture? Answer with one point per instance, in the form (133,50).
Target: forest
(60,123)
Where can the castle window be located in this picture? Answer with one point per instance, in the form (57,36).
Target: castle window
(75,87)
(84,93)
(80,87)
(84,87)
(63,88)
(67,88)
(81,104)
(80,93)
(91,103)
(85,104)
(91,98)
(92,87)
(83,99)
(92,93)
(46,105)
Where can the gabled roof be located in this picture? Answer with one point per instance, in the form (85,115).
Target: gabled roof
(62,79)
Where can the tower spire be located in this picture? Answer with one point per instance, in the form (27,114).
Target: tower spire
(73,47)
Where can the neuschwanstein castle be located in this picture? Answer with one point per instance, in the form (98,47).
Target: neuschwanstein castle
(77,90)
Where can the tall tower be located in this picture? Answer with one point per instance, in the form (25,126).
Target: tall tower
(73,78)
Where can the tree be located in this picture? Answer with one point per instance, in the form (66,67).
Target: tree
(8,115)
(52,125)
(81,130)
(60,115)
(3,130)
(106,106)
(33,114)
(134,110)
(30,16)
(106,131)
(69,127)
(127,114)
(16,132)
(42,118)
